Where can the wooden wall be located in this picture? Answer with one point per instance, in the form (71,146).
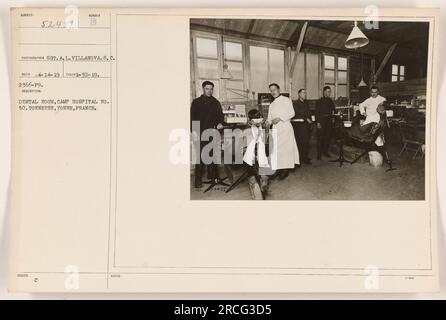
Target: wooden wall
(414,60)
(413,87)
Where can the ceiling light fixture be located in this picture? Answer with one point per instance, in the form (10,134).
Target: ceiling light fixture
(356,39)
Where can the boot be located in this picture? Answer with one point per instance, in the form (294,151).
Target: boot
(256,193)
(264,184)
(284,174)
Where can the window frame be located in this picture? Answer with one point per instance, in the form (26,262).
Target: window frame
(399,77)
(246,43)
(268,76)
(336,70)
(197,80)
(225,39)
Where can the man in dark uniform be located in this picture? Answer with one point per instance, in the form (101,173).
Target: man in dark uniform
(207,112)
(324,111)
(301,124)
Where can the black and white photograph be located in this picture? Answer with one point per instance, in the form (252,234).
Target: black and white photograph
(141,136)
(308,109)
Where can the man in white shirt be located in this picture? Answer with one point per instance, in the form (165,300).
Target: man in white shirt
(368,107)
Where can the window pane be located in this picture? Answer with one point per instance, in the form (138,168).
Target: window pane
(394,78)
(329,76)
(238,93)
(402,70)
(329,62)
(277,67)
(233,51)
(259,69)
(208,69)
(342,63)
(394,69)
(206,48)
(313,76)
(342,77)
(236,69)
(402,78)
(342,91)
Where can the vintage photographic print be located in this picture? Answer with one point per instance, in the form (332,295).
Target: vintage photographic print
(308,109)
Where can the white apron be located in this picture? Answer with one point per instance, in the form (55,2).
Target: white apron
(255,137)
(283,148)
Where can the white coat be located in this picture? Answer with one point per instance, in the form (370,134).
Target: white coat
(283,148)
(368,108)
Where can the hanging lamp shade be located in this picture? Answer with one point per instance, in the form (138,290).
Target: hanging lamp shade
(226,74)
(362,83)
(356,39)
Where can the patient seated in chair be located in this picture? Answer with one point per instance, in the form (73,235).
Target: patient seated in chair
(369,137)
(255,157)
(370,131)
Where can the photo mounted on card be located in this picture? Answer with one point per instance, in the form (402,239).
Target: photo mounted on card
(147,144)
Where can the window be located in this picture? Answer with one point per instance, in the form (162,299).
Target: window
(342,89)
(398,73)
(277,67)
(336,75)
(207,48)
(207,63)
(211,52)
(306,74)
(329,72)
(267,66)
(233,53)
(259,69)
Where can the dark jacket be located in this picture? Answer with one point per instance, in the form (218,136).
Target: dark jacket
(301,110)
(324,108)
(208,111)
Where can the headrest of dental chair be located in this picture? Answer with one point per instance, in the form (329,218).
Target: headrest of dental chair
(254,114)
(381,109)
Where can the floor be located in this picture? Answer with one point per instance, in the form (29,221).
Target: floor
(323,180)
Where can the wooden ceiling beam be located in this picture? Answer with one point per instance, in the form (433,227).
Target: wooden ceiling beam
(211,29)
(298,47)
(384,62)
(250,28)
(295,36)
